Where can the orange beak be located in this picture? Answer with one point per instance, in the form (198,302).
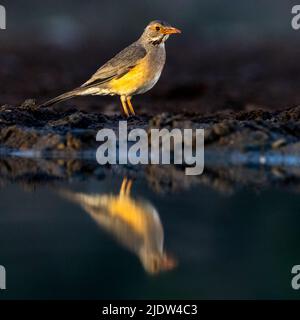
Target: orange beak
(170,30)
(168,263)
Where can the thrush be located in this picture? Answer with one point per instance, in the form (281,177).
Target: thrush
(135,70)
(134,223)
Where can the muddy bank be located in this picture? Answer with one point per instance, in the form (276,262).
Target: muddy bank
(257,148)
(242,149)
(33,173)
(49,129)
(28,127)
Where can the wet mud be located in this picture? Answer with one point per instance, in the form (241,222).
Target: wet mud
(29,127)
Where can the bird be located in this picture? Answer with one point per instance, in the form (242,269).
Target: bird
(134,70)
(135,223)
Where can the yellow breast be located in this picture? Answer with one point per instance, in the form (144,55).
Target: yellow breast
(133,81)
(127,210)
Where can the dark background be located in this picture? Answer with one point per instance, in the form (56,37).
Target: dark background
(71,22)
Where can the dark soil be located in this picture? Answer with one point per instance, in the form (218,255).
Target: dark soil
(50,129)
(69,132)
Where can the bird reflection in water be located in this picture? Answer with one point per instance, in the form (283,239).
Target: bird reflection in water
(135,224)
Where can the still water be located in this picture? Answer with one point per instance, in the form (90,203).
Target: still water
(117,237)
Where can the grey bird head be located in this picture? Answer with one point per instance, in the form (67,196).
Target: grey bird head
(157,32)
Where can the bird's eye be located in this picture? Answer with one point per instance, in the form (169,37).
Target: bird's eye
(157,28)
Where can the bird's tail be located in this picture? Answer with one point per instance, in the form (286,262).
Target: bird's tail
(63,97)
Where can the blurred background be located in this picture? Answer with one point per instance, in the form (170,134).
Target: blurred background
(72,22)
(232,54)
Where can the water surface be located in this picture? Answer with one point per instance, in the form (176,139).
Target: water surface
(115,235)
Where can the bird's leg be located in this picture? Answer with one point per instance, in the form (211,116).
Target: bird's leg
(130,105)
(123,187)
(123,100)
(126,187)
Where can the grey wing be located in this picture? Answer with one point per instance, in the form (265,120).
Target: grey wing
(118,65)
